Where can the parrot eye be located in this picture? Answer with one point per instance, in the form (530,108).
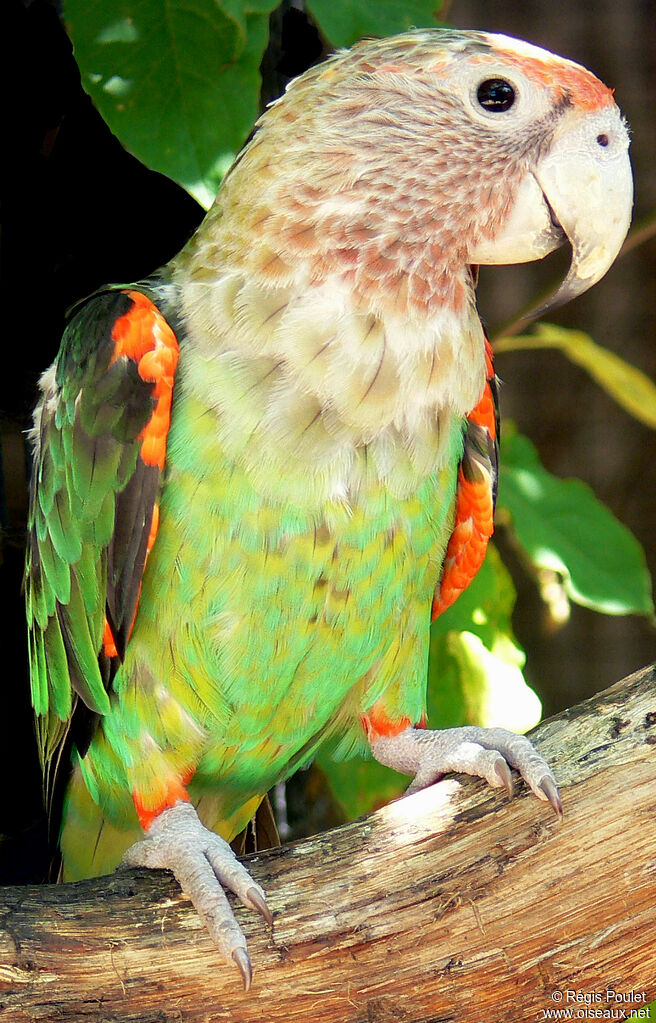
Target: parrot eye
(495,95)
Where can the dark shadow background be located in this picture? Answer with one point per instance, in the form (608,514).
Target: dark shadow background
(78,211)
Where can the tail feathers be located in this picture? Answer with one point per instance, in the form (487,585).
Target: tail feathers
(211,808)
(92,845)
(261,832)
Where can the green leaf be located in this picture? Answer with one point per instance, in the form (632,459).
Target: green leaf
(360,785)
(474,677)
(475,666)
(176,80)
(345,21)
(630,388)
(562,527)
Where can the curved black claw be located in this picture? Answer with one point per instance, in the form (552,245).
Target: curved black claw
(259,904)
(550,789)
(502,772)
(243,963)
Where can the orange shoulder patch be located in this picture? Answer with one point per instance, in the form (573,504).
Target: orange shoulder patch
(474,512)
(143,335)
(468,542)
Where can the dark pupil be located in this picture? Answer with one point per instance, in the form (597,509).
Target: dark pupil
(496,95)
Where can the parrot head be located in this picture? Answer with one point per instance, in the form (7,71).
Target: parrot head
(579,187)
(341,248)
(413,156)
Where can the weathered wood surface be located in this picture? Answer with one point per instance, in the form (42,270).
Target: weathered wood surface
(450,905)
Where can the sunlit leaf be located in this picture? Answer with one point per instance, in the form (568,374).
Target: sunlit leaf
(345,21)
(360,785)
(562,526)
(475,671)
(630,388)
(176,80)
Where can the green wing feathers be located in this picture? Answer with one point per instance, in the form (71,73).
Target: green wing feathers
(97,467)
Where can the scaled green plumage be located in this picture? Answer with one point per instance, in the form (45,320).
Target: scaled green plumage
(270,627)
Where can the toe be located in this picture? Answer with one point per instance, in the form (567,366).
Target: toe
(204,865)
(233,875)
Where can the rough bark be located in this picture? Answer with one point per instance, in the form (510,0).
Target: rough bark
(450,905)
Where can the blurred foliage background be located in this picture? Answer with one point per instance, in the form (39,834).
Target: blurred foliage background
(116,147)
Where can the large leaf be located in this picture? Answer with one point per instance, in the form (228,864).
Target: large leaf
(630,388)
(475,666)
(474,677)
(345,21)
(562,526)
(360,785)
(176,80)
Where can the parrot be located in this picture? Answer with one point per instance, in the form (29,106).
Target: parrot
(259,474)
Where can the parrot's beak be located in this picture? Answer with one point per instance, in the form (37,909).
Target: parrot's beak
(590,194)
(580,191)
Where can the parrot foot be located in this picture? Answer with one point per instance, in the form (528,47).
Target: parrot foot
(203,864)
(484,752)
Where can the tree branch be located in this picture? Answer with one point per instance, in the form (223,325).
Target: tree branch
(449,905)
